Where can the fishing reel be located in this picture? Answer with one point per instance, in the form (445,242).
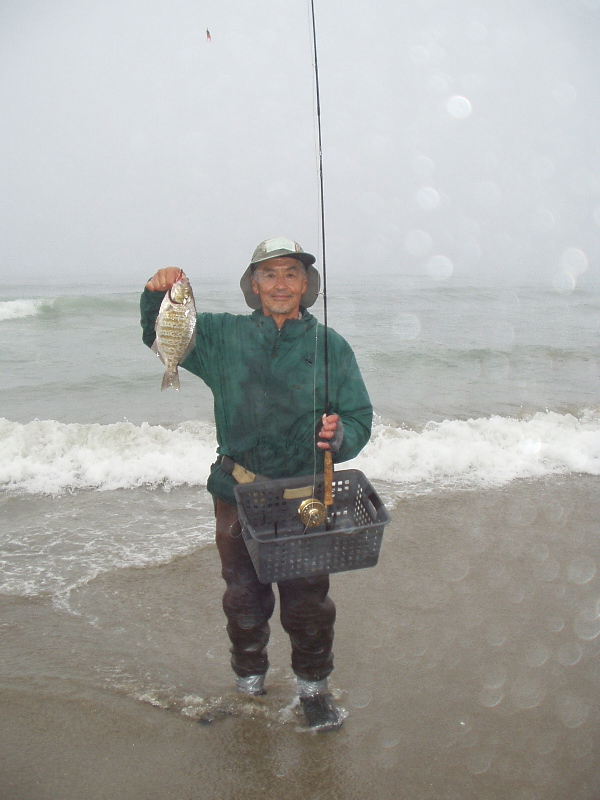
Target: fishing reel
(312,512)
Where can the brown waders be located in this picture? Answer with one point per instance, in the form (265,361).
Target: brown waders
(307,613)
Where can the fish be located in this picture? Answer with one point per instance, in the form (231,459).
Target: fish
(175,330)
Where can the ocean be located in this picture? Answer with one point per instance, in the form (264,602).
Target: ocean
(467,658)
(471,386)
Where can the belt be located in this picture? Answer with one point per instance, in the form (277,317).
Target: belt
(238,473)
(242,475)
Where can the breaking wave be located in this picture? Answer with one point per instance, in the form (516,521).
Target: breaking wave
(17,309)
(49,457)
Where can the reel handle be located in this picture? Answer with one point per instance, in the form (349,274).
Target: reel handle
(328,478)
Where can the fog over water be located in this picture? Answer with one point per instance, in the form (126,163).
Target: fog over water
(460,139)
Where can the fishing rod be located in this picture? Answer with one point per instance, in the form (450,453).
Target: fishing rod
(328,459)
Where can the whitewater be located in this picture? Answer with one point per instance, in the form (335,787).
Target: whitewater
(48,457)
(473,388)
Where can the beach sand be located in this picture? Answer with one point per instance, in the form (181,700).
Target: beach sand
(467,661)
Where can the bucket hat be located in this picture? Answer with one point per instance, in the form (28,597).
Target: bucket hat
(280,247)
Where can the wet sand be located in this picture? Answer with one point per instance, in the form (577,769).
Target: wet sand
(467,660)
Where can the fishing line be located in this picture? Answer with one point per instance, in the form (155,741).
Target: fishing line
(321,203)
(327,455)
(322,226)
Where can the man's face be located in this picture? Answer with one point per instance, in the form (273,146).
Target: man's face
(280,283)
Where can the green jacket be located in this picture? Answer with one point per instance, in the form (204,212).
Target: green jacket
(269,390)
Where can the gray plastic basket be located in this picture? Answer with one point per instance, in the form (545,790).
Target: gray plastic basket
(282,547)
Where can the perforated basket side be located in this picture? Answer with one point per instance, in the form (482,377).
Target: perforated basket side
(281,547)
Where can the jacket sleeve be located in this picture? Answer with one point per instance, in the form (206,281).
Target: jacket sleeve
(149,308)
(350,400)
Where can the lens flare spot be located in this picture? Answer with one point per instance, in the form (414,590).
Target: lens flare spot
(572,710)
(428,198)
(587,629)
(563,283)
(569,654)
(574,261)
(407,326)
(491,697)
(458,107)
(537,655)
(439,268)
(478,763)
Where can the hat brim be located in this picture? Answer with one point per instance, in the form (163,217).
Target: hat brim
(308,298)
(306,258)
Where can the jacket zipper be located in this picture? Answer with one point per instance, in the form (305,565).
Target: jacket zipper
(275,350)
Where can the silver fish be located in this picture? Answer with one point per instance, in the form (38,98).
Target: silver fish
(175,329)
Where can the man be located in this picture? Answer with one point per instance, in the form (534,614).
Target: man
(266,373)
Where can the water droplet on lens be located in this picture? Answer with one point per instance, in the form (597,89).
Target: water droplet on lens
(537,655)
(478,763)
(587,629)
(574,261)
(572,710)
(569,654)
(548,570)
(545,743)
(440,268)
(361,698)
(407,326)
(458,107)
(541,551)
(497,635)
(390,738)
(428,198)
(491,697)
(495,676)
(556,624)
(527,692)
(563,283)
(581,570)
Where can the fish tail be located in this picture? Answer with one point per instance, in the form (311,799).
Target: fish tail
(170,379)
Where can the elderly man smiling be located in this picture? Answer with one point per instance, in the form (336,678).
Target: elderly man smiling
(267,375)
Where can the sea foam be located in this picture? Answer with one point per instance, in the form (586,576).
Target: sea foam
(483,452)
(49,457)
(16,309)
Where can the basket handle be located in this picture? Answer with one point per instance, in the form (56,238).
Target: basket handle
(371,504)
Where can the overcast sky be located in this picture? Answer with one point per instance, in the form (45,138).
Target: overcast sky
(460,139)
